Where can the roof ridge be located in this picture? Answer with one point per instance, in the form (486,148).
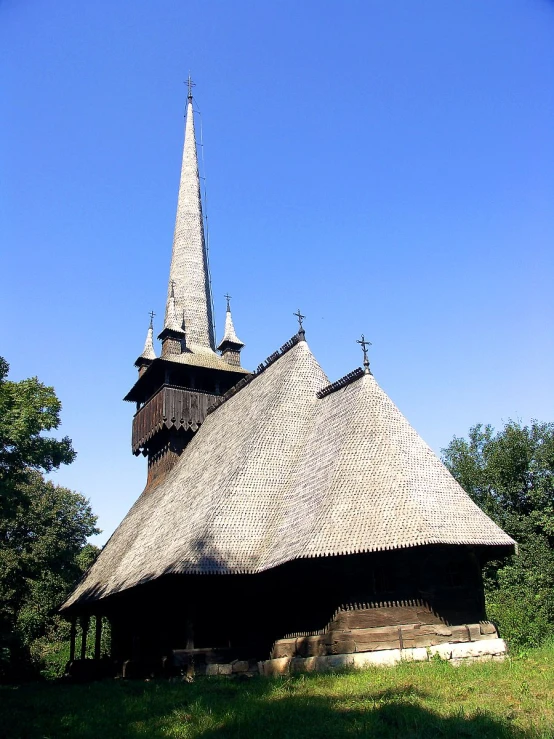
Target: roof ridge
(258,371)
(342,382)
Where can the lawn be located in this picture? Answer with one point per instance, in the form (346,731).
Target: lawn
(514,699)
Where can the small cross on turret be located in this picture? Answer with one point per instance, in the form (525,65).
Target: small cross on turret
(228,299)
(300,317)
(364,344)
(152,314)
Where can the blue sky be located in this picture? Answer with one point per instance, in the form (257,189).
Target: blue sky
(386,166)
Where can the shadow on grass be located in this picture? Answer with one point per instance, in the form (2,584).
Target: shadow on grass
(220,709)
(319,717)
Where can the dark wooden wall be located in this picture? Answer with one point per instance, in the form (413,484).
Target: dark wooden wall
(248,613)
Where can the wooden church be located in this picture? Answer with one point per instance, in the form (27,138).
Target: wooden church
(287,522)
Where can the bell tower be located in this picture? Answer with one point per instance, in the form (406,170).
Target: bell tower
(174,391)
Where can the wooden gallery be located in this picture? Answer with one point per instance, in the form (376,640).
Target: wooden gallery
(287,523)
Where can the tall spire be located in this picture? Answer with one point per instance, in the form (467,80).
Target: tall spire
(189,293)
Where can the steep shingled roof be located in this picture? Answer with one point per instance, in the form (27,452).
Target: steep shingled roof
(189,295)
(149,352)
(277,473)
(229,335)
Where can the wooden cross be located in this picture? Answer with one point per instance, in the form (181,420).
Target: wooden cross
(300,319)
(151,314)
(228,299)
(364,344)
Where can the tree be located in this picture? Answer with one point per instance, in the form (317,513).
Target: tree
(27,408)
(43,527)
(510,475)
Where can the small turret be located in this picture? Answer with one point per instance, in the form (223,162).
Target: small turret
(148,355)
(230,346)
(173,333)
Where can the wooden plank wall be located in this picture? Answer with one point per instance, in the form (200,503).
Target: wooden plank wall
(172,407)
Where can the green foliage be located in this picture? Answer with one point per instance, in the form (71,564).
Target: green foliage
(50,652)
(43,527)
(513,700)
(27,408)
(510,475)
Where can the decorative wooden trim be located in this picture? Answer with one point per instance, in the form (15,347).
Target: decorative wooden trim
(343,382)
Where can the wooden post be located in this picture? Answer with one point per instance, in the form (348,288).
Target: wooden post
(98,636)
(72,637)
(189,633)
(84,626)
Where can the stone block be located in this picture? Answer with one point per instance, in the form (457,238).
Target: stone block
(322,664)
(307,664)
(442,630)
(483,647)
(212,670)
(239,666)
(225,669)
(279,666)
(387,657)
(443,650)
(415,655)
(338,661)
(488,628)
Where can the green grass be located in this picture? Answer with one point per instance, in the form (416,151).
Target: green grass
(514,699)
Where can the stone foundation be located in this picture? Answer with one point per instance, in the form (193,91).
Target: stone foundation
(454,652)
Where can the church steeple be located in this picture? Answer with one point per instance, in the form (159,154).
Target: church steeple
(189,293)
(174,391)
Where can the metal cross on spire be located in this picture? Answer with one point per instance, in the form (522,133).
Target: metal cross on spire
(151,314)
(364,344)
(190,84)
(228,299)
(300,318)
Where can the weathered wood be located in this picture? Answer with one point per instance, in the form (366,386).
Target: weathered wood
(407,636)
(84,631)
(341,644)
(283,648)
(311,646)
(323,612)
(384,616)
(487,629)
(173,408)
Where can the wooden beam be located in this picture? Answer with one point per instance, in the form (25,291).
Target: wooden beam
(72,638)
(98,636)
(84,626)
